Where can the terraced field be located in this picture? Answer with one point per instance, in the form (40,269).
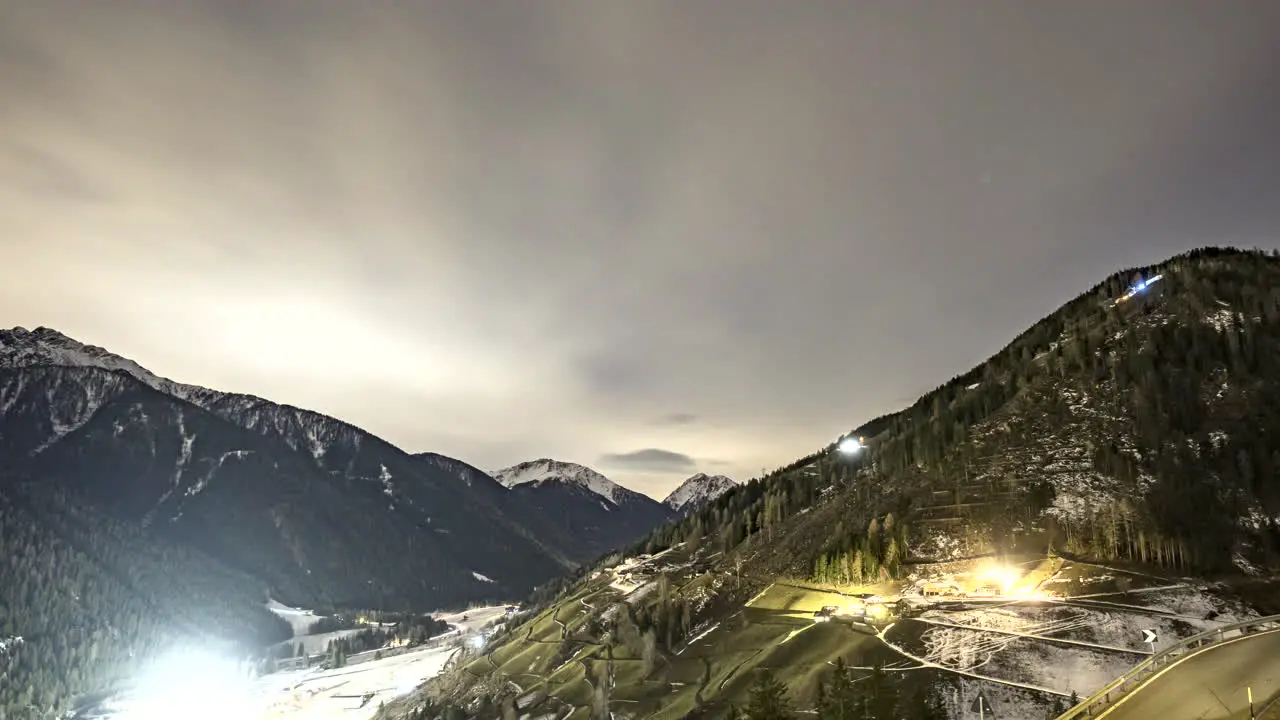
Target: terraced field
(1076,626)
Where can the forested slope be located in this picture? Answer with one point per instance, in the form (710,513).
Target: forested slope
(86,602)
(1145,429)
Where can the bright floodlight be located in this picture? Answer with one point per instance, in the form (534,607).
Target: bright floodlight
(194,685)
(850,446)
(1003,575)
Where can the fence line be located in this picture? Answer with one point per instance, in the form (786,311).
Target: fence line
(296,663)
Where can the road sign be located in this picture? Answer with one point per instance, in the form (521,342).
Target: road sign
(981,706)
(1149,636)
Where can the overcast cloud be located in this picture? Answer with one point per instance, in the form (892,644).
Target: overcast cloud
(722,230)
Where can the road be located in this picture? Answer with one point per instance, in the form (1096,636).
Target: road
(1209,685)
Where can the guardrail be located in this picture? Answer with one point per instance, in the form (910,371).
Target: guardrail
(1143,671)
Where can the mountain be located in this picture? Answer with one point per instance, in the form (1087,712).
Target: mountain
(597,513)
(1136,423)
(322,511)
(1119,455)
(697,491)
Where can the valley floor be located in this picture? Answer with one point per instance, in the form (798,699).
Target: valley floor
(353,692)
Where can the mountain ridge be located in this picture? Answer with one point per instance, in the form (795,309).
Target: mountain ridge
(52,389)
(599,514)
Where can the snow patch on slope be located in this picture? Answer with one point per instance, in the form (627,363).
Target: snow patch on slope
(1223,319)
(385,476)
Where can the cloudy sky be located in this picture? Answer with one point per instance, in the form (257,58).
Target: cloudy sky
(649,236)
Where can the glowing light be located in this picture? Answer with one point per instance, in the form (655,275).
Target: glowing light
(1002,575)
(192,684)
(850,445)
(1140,286)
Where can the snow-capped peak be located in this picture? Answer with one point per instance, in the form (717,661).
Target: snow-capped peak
(20,347)
(536,471)
(698,491)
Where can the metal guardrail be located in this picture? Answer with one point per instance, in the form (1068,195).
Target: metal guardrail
(1143,671)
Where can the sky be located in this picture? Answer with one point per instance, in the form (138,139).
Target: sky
(655,237)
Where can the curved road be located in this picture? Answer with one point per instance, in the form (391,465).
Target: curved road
(1209,685)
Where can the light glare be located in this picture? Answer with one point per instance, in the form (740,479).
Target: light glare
(192,684)
(1003,575)
(850,446)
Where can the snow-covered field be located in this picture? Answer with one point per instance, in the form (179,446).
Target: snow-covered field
(351,693)
(312,644)
(299,620)
(476,618)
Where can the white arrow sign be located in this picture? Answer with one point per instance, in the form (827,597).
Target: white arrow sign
(1149,636)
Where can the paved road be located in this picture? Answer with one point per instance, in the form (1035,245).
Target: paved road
(1209,685)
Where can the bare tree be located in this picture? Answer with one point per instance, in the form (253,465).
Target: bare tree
(602,694)
(649,650)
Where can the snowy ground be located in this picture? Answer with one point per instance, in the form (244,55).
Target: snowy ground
(1078,628)
(476,618)
(313,644)
(352,693)
(1062,646)
(299,620)
(633,573)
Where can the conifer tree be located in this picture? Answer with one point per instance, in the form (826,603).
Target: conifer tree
(842,701)
(769,698)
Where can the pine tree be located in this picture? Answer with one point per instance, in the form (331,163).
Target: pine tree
(769,698)
(841,701)
(883,694)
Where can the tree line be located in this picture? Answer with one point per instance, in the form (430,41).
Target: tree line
(858,558)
